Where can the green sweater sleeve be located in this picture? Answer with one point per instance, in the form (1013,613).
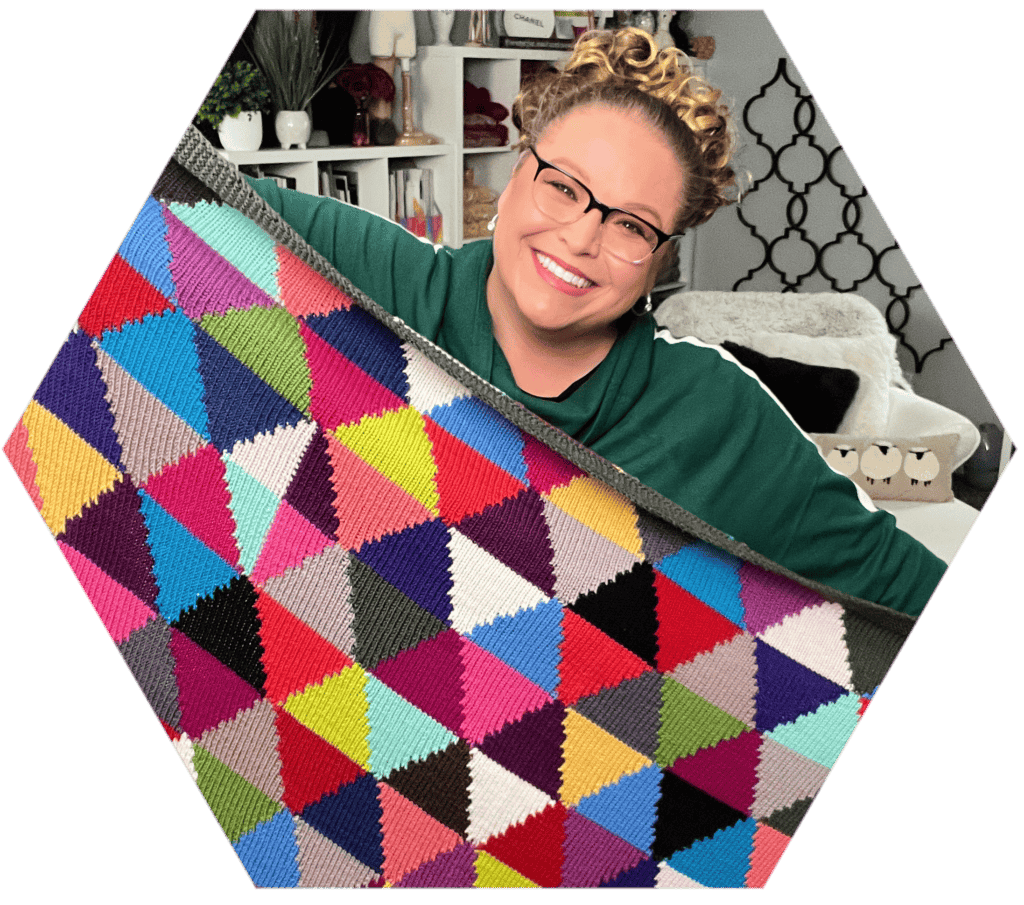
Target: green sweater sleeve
(738,462)
(377,255)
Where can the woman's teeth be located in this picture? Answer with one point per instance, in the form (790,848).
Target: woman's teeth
(571,278)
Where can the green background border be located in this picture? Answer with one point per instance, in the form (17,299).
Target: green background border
(926,799)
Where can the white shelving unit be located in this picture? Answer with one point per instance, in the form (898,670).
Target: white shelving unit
(438,75)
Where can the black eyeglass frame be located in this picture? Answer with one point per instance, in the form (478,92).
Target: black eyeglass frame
(605,210)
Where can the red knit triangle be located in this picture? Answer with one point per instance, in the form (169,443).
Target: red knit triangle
(467,482)
(310,767)
(122,296)
(194,490)
(294,655)
(591,661)
(686,626)
(534,847)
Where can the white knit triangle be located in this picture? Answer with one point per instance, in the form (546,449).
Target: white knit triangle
(273,458)
(498,798)
(815,638)
(429,386)
(483,587)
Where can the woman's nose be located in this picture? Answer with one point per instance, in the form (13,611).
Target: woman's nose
(584,236)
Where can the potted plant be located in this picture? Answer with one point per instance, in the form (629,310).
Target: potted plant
(234,106)
(288,51)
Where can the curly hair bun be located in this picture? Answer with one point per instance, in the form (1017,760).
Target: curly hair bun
(626,69)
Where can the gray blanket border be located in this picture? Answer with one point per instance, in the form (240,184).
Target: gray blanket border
(204,162)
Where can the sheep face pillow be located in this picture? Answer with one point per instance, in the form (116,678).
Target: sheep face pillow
(916,469)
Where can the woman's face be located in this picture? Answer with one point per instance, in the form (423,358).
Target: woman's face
(627,164)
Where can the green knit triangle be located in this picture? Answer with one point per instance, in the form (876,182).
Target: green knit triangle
(267,341)
(689,723)
(238,805)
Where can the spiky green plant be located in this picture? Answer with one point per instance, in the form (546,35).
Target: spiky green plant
(240,86)
(289,53)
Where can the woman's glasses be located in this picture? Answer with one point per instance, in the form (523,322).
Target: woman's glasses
(566,200)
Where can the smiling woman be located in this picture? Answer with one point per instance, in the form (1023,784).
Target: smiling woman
(620,150)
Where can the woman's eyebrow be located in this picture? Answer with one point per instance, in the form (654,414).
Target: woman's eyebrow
(629,208)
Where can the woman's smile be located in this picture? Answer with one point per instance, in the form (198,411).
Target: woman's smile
(558,274)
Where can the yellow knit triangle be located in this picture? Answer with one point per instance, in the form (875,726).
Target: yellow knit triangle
(601,509)
(69,472)
(593,759)
(397,445)
(492,873)
(336,711)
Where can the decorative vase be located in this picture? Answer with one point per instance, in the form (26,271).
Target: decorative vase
(361,125)
(442,20)
(241,132)
(293,127)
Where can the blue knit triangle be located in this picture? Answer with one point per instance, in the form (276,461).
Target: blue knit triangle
(365,342)
(184,567)
(529,641)
(73,390)
(710,575)
(226,381)
(479,426)
(159,352)
(627,808)
(721,861)
(429,582)
(270,853)
(145,247)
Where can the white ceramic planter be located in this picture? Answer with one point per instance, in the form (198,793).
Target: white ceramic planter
(293,127)
(242,132)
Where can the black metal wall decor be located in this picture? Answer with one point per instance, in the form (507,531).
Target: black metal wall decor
(816,227)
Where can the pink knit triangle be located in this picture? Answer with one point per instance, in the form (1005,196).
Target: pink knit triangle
(411,835)
(369,505)
(303,290)
(289,542)
(195,491)
(342,393)
(495,694)
(121,611)
(20,454)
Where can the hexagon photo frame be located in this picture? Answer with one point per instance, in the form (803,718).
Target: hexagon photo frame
(103,706)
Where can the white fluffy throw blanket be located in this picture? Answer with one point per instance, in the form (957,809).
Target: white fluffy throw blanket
(717,316)
(823,328)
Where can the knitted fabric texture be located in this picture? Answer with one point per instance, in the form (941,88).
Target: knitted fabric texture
(402,638)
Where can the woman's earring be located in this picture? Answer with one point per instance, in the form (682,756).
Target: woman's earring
(493,223)
(646,308)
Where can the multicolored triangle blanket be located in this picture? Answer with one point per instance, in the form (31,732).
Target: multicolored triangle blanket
(402,632)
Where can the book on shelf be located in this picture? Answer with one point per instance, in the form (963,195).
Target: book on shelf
(339,184)
(259,171)
(536,43)
(412,203)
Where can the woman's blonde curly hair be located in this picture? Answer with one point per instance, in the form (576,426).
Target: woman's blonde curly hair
(626,70)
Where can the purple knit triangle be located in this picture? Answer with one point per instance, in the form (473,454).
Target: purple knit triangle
(728,770)
(208,692)
(73,390)
(112,533)
(430,677)
(768,598)
(516,533)
(417,562)
(592,855)
(311,491)
(456,868)
(531,747)
(206,283)
(786,689)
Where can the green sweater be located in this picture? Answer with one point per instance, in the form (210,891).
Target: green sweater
(677,415)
